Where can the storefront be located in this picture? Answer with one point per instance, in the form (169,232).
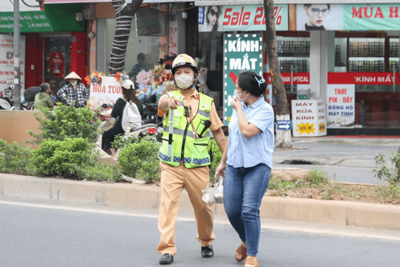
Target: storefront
(346,54)
(53,42)
(157,30)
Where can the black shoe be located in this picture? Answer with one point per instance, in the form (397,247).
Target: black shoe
(207,252)
(166,259)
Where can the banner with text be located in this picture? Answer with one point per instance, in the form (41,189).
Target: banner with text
(7,60)
(241,52)
(340,105)
(240,18)
(105,93)
(309,118)
(354,17)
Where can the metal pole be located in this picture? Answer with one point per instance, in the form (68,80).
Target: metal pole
(17,61)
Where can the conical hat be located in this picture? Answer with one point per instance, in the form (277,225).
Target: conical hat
(73,76)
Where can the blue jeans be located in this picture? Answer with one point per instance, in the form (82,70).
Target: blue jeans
(244,189)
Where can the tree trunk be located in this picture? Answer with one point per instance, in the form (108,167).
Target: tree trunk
(124,15)
(283,137)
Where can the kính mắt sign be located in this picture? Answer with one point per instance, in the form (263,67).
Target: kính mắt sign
(241,52)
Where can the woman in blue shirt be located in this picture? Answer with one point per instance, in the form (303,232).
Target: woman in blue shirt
(247,161)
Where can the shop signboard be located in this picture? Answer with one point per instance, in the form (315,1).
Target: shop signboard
(354,17)
(30,21)
(107,92)
(240,18)
(340,105)
(298,78)
(340,98)
(241,52)
(309,118)
(7,60)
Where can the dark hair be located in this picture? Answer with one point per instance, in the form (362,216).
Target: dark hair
(218,13)
(130,94)
(141,57)
(247,80)
(309,5)
(44,87)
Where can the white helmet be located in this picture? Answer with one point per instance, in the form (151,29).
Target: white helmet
(128,84)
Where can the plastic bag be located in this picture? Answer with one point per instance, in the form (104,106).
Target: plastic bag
(213,192)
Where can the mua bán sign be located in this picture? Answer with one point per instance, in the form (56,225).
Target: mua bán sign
(241,52)
(354,17)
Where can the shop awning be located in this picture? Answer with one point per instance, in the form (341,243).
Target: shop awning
(53,19)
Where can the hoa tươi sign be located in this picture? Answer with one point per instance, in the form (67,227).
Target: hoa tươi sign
(241,52)
(105,93)
(240,18)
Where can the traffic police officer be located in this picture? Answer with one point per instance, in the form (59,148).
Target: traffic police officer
(189,120)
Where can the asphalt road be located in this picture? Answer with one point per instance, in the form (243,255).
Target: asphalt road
(37,236)
(348,160)
(341,174)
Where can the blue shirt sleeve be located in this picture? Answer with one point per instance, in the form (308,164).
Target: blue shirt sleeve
(263,118)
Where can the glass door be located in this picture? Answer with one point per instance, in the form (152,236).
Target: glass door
(57,61)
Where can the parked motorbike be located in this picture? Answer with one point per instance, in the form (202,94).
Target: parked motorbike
(6,99)
(150,110)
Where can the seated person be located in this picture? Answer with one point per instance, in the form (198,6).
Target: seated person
(128,94)
(43,99)
(141,65)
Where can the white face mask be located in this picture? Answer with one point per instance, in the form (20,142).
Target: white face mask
(238,96)
(74,83)
(184,81)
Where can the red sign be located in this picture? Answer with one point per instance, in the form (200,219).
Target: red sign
(57,64)
(73,1)
(364,78)
(298,78)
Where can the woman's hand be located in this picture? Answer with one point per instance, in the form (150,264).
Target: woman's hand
(236,104)
(220,170)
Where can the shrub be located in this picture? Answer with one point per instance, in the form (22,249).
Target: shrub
(55,157)
(13,158)
(384,173)
(66,122)
(121,142)
(99,172)
(140,160)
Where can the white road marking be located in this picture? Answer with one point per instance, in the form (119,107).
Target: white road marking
(265,224)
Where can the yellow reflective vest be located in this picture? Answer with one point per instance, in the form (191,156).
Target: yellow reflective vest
(178,140)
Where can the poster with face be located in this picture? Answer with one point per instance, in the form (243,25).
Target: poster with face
(211,19)
(319,17)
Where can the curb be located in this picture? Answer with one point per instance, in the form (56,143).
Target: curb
(132,196)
